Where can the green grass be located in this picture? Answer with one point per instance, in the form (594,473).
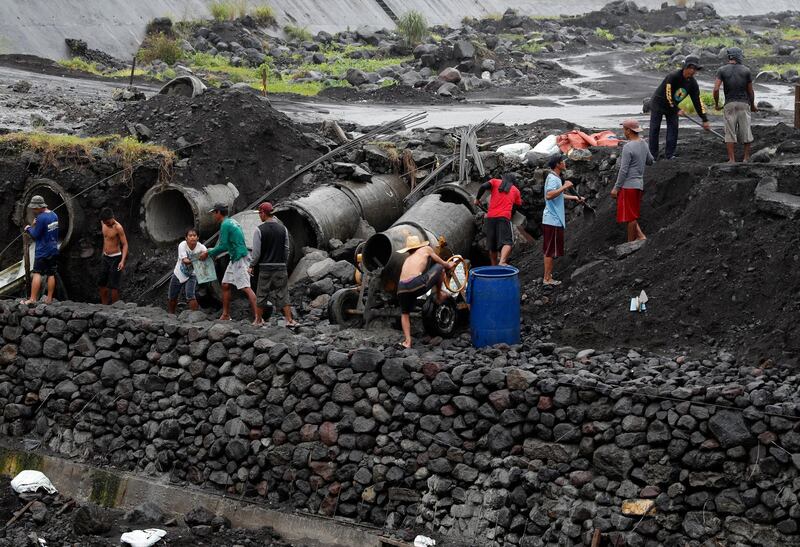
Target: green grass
(790,33)
(221,11)
(658,48)
(706,97)
(511,37)
(337,67)
(76,63)
(604,34)
(216,66)
(413,27)
(160,47)
(264,15)
(736,30)
(782,68)
(55,149)
(297,33)
(532,47)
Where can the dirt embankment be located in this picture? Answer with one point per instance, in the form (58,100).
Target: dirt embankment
(718,271)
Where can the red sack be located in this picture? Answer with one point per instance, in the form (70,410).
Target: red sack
(606,138)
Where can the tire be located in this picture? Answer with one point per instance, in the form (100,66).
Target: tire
(342,300)
(440,319)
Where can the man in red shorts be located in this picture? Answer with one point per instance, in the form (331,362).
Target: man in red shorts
(554,218)
(504,195)
(630,180)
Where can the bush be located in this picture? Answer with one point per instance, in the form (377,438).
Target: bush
(222,11)
(160,47)
(604,34)
(297,33)
(413,27)
(264,15)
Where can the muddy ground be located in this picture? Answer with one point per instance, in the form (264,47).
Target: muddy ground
(62,522)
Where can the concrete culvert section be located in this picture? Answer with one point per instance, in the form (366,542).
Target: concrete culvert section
(70,214)
(429,219)
(186,86)
(324,214)
(170,210)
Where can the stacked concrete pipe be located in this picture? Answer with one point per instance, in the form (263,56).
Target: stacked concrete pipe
(335,211)
(170,209)
(446,213)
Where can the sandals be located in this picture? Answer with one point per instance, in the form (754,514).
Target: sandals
(552,283)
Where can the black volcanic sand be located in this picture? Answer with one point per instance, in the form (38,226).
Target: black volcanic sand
(718,272)
(57,530)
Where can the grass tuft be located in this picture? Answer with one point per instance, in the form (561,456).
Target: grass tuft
(604,34)
(57,149)
(781,68)
(297,33)
(160,47)
(413,27)
(264,15)
(76,63)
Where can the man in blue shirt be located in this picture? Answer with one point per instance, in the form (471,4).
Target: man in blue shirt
(44,232)
(554,219)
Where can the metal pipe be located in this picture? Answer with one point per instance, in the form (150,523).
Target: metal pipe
(430,218)
(170,209)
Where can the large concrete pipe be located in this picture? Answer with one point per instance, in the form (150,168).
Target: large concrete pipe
(380,201)
(334,212)
(70,213)
(429,219)
(170,209)
(186,86)
(249,221)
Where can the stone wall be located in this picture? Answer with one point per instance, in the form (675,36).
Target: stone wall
(529,445)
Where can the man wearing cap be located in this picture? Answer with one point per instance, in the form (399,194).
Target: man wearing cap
(740,100)
(554,218)
(630,180)
(270,254)
(504,195)
(44,232)
(417,277)
(675,88)
(231,240)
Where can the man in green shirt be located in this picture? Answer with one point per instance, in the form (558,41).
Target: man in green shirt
(231,240)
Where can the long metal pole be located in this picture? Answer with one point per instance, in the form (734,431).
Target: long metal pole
(797,106)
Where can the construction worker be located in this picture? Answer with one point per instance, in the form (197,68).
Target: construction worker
(231,240)
(271,253)
(44,232)
(740,100)
(629,187)
(504,195)
(554,218)
(418,276)
(112,261)
(673,89)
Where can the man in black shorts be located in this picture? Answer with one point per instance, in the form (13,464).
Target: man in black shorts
(115,253)
(417,277)
(504,195)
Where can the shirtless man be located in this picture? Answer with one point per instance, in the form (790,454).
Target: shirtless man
(417,277)
(115,253)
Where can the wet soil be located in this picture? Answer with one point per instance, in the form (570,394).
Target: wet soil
(718,272)
(57,529)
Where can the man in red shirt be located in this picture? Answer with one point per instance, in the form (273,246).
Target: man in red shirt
(504,195)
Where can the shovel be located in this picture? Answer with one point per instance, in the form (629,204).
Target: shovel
(688,117)
(588,210)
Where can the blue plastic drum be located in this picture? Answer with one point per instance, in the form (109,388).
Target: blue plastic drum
(493,296)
